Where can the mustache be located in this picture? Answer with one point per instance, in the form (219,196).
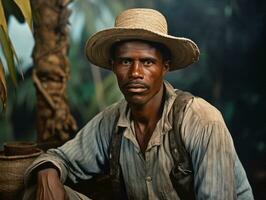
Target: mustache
(136,82)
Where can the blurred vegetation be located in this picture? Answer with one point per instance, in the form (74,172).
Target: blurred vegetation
(22,11)
(230,73)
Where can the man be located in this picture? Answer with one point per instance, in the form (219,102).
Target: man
(140,52)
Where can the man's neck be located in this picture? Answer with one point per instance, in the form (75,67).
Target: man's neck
(145,118)
(150,112)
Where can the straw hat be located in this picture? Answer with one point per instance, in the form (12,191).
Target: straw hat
(141,24)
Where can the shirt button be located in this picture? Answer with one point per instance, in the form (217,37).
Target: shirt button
(148,179)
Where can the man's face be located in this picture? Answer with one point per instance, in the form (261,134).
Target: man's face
(140,69)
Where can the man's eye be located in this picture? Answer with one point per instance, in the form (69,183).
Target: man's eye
(126,62)
(147,62)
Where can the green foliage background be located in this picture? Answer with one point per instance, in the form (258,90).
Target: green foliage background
(230,73)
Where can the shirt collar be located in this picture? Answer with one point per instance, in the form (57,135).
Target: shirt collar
(170,95)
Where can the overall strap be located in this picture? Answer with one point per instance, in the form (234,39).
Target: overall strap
(117,183)
(181,175)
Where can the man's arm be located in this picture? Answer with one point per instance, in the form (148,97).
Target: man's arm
(49,185)
(81,157)
(43,181)
(45,161)
(214,158)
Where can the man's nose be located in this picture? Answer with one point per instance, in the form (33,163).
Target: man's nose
(136,70)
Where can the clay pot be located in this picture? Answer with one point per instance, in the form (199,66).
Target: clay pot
(20,148)
(14,160)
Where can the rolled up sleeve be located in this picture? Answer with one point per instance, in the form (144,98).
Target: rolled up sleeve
(43,159)
(83,156)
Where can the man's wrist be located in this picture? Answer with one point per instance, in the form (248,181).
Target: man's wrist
(44,166)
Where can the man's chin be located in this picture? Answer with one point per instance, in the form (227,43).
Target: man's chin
(135,99)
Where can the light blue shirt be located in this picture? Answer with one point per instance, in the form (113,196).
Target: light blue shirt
(218,173)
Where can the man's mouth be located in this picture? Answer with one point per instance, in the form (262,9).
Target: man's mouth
(135,87)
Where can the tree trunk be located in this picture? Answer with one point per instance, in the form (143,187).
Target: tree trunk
(51,70)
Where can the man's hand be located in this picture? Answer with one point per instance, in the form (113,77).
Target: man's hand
(49,186)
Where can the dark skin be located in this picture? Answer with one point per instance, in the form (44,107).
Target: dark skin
(140,70)
(49,186)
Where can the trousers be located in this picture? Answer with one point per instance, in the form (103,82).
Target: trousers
(30,194)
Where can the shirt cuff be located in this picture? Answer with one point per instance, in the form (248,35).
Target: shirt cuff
(30,176)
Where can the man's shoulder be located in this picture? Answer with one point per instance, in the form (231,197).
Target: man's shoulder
(201,121)
(203,111)
(105,119)
(112,110)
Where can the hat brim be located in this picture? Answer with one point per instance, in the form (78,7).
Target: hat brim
(184,51)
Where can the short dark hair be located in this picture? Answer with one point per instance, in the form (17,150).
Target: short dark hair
(165,52)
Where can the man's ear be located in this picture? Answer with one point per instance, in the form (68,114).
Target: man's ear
(111,63)
(167,64)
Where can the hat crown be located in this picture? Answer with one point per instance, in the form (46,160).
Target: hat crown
(142,18)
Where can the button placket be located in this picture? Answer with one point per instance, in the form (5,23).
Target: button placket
(148,178)
(151,195)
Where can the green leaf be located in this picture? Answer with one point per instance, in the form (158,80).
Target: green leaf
(25,8)
(2,17)
(3,90)
(11,8)
(9,54)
